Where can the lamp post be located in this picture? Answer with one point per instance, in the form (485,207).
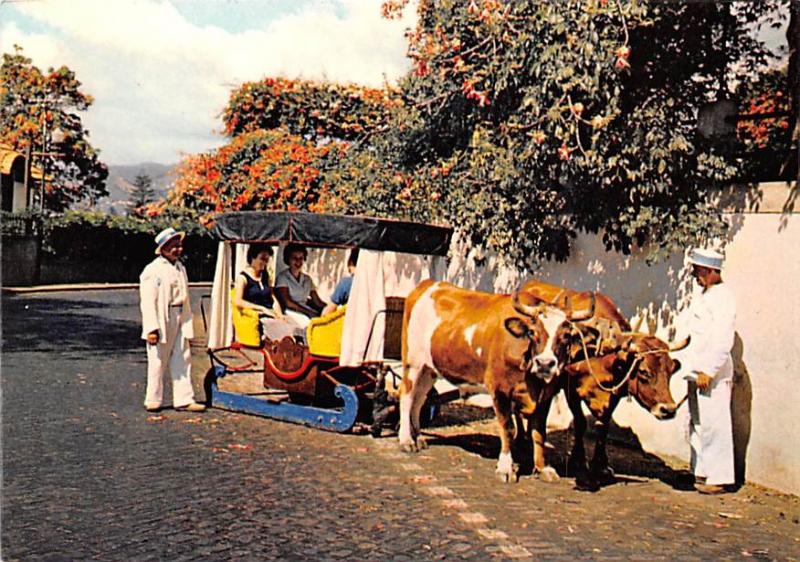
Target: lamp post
(57,137)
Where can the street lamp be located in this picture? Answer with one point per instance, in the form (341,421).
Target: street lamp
(57,136)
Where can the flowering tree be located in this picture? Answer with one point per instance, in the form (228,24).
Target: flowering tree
(284,135)
(521,122)
(313,110)
(527,121)
(32,106)
(765,132)
(259,169)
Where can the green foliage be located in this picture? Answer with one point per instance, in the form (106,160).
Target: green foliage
(521,123)
(32,106)
(528,121)
(127,224)
(100,247)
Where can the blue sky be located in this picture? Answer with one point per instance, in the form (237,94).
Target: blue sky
(161,70)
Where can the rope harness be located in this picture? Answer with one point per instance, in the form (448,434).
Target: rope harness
(639,355)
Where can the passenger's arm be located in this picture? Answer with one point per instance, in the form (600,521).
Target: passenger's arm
(319,304)
(238,297)
(287,303)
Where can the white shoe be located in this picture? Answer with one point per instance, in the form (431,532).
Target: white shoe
(192,407)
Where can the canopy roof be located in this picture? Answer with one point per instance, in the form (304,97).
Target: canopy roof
(340,231)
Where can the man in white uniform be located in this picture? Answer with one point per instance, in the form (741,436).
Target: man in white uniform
(167,324)
(712,317)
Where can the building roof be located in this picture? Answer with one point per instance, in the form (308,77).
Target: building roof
(8,157)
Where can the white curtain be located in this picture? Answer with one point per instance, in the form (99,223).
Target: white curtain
(367,297)
(220,330)
(378,275)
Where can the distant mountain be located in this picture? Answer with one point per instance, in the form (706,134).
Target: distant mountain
(120,184)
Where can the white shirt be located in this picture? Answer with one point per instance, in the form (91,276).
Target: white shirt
(712,324)
(162,285)
(299,289)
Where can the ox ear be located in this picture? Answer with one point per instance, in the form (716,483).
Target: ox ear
(677,365)
(517,327)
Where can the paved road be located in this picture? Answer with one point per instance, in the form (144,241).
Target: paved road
(89,475)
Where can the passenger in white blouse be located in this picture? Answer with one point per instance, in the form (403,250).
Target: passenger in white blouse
(295,289)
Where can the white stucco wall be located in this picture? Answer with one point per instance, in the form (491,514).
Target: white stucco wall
(763,269)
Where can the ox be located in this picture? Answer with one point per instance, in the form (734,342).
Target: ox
(469,336)
(605,363)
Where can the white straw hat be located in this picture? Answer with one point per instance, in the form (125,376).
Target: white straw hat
(165,236)
(706,257)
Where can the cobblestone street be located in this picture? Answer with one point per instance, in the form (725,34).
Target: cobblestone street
(89,475)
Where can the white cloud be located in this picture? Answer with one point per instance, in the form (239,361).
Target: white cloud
(160,82)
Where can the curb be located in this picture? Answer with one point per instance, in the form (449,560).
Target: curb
(85,287)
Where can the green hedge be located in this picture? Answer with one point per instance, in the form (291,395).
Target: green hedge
(88,246)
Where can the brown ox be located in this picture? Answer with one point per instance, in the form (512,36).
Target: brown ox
(468,336)
(620,363)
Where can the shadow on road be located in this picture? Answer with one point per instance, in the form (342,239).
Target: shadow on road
(64,325)
(627,458)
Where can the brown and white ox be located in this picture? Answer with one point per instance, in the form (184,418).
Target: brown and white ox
(604,363)
(475,337)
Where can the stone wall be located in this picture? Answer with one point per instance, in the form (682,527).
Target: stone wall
(20,260)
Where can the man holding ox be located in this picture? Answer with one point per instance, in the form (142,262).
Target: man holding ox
(712,317)
(455,345)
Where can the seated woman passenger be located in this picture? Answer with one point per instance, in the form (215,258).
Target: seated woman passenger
(295,290)
(252,291)
(252,288)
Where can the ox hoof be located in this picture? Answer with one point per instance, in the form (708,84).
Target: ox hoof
(409,447)
(604,475)
(577,466)
(507,476)
(586,483)
(548,474)
(422,443)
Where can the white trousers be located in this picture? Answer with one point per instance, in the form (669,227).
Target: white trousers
(174,355)
(711,433)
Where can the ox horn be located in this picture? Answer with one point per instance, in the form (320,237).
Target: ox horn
(524,309)
(586,314)
(677,346)
(638,323)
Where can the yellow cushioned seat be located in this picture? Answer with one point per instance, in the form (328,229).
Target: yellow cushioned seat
(245,324)
(324,334)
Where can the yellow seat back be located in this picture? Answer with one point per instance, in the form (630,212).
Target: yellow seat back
(324,334)
(245,324)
